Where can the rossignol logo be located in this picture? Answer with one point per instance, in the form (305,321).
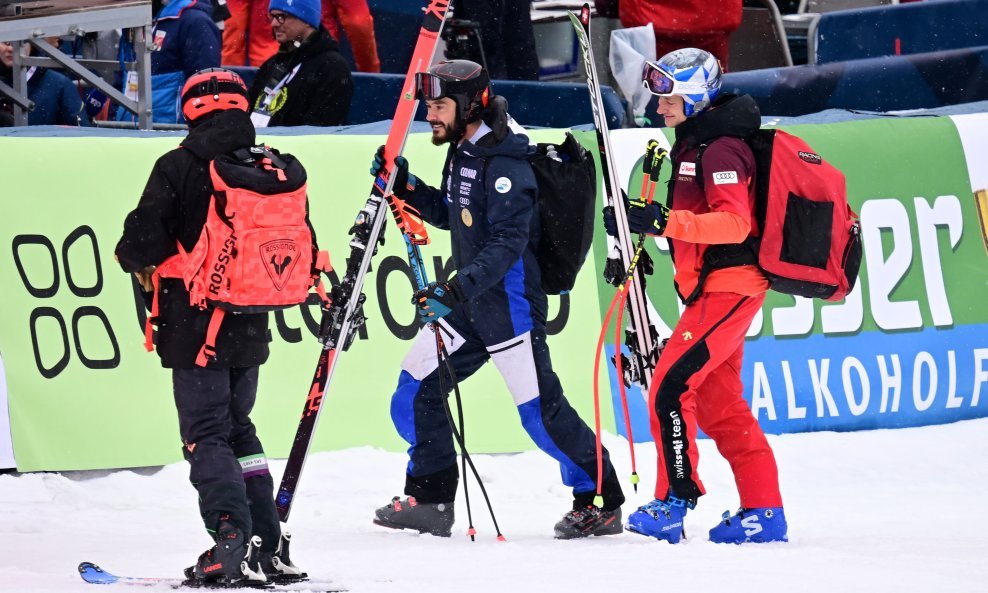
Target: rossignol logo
(279,257)
(218,274)
(810,157)
(677,443)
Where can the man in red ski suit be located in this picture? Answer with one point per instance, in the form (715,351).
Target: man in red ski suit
(697,380)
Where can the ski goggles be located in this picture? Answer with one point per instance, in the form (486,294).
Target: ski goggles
(429,87)
(659,82)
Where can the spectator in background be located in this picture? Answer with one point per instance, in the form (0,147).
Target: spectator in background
(56,98)
(247,36)
(308,82)
(358,24)
(186,40)
(506,35)
(686,23)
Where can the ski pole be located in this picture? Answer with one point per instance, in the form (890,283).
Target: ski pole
(641,334)
(651,166)
(414,234)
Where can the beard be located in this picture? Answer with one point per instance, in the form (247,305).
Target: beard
(447,133)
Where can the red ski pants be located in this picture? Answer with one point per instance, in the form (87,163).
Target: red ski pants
(698,382)
(247,36)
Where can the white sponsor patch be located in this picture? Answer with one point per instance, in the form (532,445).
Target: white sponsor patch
(725,177)
(502,185)
(687,168)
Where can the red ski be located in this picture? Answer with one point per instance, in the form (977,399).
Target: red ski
(345,313)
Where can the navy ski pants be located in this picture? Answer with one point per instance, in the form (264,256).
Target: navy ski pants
(228,466)
(524,364)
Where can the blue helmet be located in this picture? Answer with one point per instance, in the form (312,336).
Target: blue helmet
(691,73)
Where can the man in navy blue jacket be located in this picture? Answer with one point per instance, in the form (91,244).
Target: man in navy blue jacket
(493,308)
(56,99)
(186,40)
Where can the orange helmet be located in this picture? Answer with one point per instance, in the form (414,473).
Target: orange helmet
(213,89)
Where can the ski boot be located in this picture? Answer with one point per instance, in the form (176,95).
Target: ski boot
(589,520)
(278,567)
(432,518)
(662,519)
(232,562)
(761,525)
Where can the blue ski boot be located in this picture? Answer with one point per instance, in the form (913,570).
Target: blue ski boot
(662,519)
(758,526)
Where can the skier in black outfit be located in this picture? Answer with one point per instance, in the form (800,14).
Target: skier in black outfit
(308,82)
(228,466)
(494,308)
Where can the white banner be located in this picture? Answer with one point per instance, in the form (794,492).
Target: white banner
(6,445)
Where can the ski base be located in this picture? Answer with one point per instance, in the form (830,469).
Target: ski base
(94,575)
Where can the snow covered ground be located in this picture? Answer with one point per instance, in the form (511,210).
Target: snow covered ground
(894,510)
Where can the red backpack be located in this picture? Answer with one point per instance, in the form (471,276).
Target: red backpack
(809,243)
(255,253)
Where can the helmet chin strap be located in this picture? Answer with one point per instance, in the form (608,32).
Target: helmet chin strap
(459,129)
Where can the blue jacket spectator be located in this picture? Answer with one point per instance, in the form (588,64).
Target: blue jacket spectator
(56,99)
(186,41)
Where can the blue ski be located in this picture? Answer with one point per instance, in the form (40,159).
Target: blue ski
(93,574)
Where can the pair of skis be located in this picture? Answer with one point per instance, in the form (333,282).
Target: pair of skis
(344,315)
(641,337)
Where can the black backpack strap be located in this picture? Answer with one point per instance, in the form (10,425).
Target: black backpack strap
(256,155)
(699,163)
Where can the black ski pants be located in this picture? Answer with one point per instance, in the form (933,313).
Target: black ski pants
(228,466)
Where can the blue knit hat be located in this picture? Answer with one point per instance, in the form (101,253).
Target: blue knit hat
(308,11)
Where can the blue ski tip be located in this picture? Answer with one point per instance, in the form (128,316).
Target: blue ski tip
(91,573)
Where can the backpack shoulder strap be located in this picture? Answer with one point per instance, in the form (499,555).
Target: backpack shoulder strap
(699,163)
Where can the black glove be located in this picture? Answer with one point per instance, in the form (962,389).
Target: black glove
(404,181)
(614,271)
(645,264)
(647,218)
(437,300)
(610,223)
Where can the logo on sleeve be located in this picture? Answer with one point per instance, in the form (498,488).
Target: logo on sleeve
(687,169)
(810,157)
(502,185)
(725,177)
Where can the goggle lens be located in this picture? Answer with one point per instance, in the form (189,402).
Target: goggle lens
(429,86)
(656,80)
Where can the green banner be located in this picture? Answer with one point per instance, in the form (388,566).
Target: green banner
(84,394)
(907,347)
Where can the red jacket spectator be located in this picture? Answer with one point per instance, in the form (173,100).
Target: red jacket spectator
(358,25)
(686,23)
(247,38)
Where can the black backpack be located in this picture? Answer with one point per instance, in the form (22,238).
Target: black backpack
(567,181)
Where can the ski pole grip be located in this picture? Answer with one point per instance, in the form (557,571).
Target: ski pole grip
(650,149)
(658,156)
